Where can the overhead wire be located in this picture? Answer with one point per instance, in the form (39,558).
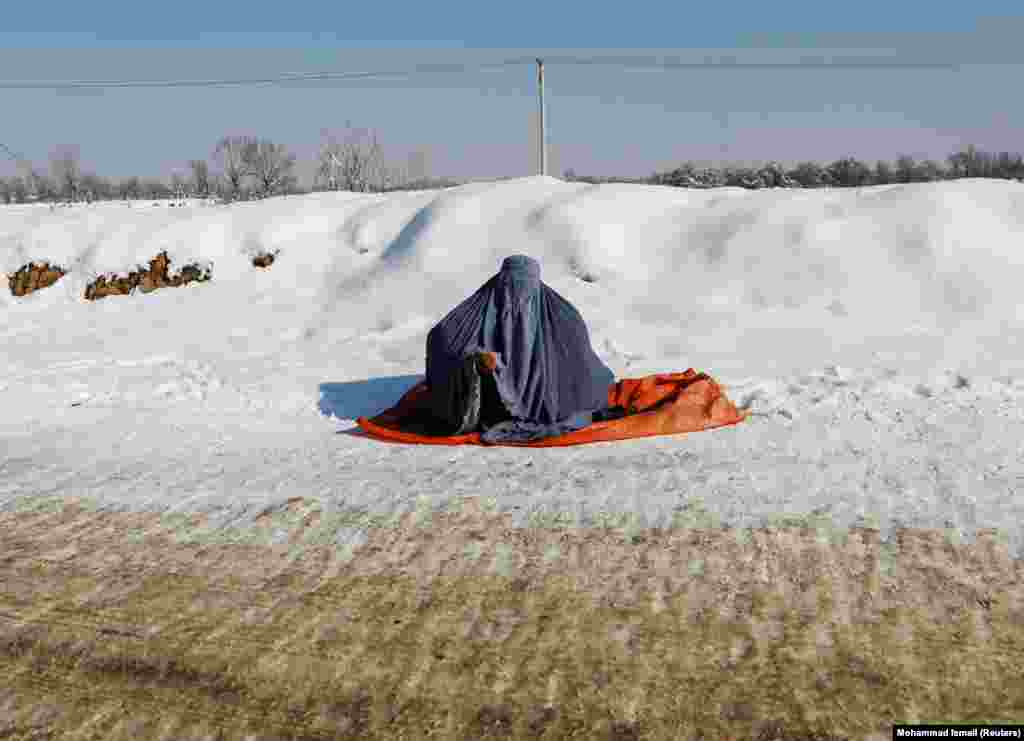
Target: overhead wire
(728,63)
(269,80)
(634,62)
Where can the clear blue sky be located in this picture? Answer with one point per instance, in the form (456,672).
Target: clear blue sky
(601,120)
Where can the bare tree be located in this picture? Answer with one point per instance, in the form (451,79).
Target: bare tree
(849,172)
(200,177)
(155,188)
(270,164)
(355,163)
(129,188)
(220,187)
(42,187)
(807,174)
(906,166)
(684,176)
(66,171)
(958,164)
(883,173)
(1005,165)
(95,188)
(328,163)
(20,189)
(974,162)
(179,186)
(929,171)
(233,154)
(773,174)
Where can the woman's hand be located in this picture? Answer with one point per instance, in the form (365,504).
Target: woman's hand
(486,362)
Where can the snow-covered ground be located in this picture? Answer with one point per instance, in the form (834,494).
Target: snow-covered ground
(877,334)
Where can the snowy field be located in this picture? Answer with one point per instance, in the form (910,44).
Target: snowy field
(876,333)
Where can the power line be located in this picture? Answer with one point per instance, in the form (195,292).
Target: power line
(634,62)
(272,80)
(727,63)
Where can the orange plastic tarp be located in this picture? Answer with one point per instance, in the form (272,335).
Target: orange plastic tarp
(662,404)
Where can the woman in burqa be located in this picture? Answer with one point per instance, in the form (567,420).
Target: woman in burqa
(514,362)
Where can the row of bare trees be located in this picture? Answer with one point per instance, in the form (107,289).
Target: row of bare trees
(68,182)
(249,167)
(846,172)
(355,161)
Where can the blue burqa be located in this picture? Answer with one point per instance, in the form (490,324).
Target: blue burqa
(549,381)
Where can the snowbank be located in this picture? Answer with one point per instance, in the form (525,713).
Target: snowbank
(853,314)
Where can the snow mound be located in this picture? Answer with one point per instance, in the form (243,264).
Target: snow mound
(876,334)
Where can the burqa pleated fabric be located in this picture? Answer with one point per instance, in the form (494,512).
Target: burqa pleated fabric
(549,381)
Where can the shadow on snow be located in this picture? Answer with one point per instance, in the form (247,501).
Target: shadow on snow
(354,399)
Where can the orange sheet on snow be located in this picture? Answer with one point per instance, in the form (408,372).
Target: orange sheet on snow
(662,404)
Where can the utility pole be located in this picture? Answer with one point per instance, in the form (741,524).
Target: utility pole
(543,131)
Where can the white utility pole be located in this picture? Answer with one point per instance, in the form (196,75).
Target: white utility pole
(543,131)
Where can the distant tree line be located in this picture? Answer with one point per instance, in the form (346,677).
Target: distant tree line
(248,167)
(847,172)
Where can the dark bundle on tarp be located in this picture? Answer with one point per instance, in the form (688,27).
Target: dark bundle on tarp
(548,380)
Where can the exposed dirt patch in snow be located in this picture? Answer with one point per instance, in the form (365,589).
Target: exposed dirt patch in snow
(264,259)
(33,277)
(157,276)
